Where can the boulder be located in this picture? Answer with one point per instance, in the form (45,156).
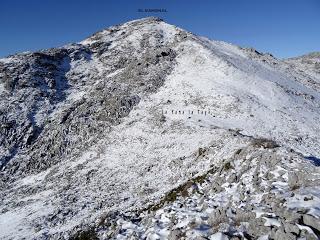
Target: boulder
(311,221)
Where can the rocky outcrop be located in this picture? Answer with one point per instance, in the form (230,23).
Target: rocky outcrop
(32,138)
(253,200)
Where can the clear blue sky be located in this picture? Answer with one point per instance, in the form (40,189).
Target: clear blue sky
(284,28)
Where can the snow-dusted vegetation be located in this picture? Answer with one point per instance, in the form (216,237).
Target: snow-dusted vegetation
(146,131)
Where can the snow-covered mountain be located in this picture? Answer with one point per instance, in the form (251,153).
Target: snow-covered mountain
(146,131)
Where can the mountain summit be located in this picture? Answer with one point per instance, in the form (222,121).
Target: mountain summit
(147,131)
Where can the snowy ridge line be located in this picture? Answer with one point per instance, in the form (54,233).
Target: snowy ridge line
(84,134)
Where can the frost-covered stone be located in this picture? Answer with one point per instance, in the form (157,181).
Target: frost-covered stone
(280,234)
(291,228)
(311,221)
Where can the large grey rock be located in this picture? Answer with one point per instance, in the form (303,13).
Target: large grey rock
(176,234)
(280,234)
(291,228)
(311,221)
(291,216)
(257,228)
(217,217)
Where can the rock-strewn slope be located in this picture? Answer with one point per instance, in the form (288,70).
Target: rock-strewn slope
(309,63)
(256,193)
(55,100)
(144,130)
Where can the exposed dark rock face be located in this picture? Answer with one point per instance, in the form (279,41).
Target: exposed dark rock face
(38,82)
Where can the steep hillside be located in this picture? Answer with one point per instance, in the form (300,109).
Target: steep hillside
(308,64)
(144,130)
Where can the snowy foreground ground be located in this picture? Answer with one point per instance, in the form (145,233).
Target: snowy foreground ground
(146,131)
